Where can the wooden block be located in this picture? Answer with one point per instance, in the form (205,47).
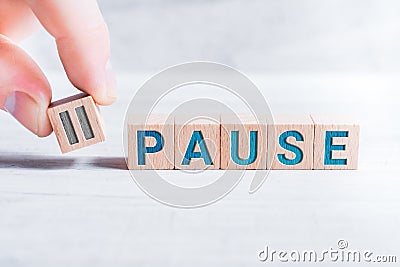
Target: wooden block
(336,143)
(150,142)
(243,141)
(197,142)
(76,122)
(293,137)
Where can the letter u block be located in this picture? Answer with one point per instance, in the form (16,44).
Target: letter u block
(336,143)
(292,136)
(150,142)
(243,141)
(197,140)
(76,122)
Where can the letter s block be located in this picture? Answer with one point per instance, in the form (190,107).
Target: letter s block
(76,122)
(293,138)
(150,142)
(336,143)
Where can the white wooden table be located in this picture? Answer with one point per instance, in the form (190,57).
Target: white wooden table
(83,208)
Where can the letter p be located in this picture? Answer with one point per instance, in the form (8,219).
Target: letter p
(142,149)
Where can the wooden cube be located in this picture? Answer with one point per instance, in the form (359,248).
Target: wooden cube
(336,143)
(197,142)
(76,122)
(243,141)
(292,136)
(150,142)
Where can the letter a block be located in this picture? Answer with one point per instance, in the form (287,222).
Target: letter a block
(197,142)
(150,142)
(336,143)
(243,141)
(292,136)
(76,122)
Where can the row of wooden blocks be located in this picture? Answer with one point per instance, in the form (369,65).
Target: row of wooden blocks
(242,142)
(228,141)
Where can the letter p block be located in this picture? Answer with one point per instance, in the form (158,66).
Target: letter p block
(150,142)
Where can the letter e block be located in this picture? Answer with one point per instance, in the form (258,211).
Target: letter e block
(150,142)
(292,136)
(76,122)
(336,143)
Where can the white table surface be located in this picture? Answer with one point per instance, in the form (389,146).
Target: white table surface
(83,208)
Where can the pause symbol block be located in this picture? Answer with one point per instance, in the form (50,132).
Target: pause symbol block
(76,122)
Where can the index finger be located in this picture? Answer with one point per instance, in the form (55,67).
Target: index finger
(83,44)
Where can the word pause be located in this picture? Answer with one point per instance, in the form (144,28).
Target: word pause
(242,142)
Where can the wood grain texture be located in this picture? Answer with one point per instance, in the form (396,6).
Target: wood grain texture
(325,123)
(93,114)
(162,160)
(209,126)
(243,124)
(302,124)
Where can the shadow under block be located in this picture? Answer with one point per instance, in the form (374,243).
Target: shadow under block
(151,142)
(197,142)
(336,143)
(243,142)
(76,122)
(290,142)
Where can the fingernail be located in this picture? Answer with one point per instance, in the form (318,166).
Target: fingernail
(111,81)
(25,109)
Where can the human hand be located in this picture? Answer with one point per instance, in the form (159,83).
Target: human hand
(83,45)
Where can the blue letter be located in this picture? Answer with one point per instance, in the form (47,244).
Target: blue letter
(141,149)
(197,137)
(329,147)
(285,145)
(235,148)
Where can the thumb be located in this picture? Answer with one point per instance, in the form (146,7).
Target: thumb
(25,92)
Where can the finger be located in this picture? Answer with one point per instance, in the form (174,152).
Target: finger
(17,19)
(24,90)
(83,44)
